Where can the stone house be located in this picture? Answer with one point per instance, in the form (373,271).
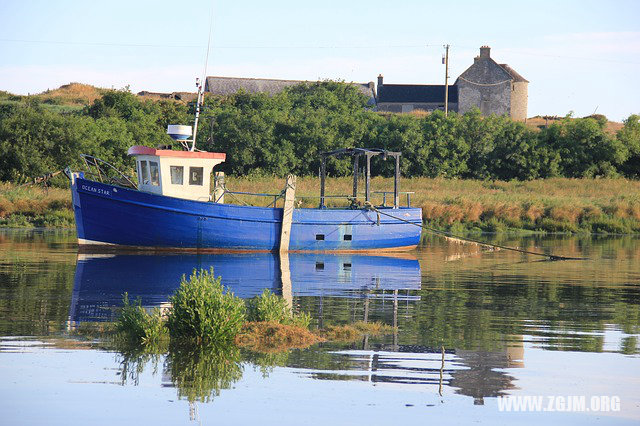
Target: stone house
(491,87)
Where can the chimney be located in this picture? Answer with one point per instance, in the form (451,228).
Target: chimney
(485,52)
(380,77)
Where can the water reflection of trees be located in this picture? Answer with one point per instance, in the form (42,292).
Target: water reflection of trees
(36,280)
(199,373)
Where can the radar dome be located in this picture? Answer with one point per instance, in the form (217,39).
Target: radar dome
(179,132)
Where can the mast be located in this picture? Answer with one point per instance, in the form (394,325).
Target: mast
(195,121)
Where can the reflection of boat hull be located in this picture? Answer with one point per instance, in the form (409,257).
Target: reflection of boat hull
(101,280)
(117,216)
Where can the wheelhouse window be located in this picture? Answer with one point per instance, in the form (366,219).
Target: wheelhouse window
(155,174)
(177,175)
(144,173)
(195,175)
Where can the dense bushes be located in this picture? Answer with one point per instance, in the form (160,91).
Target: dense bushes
(284,133)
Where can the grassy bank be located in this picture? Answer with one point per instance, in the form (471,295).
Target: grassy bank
(22,207)
(550,205)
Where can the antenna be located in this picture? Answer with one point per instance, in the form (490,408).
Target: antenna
(199,85)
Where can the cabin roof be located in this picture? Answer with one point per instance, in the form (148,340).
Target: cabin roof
(145,150)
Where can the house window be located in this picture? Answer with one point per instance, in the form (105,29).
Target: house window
(144,173)
(155,173)
(195,175)
(347,237)
(177,173)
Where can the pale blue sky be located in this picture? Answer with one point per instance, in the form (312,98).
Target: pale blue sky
(578,55)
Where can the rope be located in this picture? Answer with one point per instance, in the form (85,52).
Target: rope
(459,239)
(44,178)
(482,84)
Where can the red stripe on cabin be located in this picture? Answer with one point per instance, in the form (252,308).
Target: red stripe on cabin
(145,150)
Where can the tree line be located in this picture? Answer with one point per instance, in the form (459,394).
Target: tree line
(284,133)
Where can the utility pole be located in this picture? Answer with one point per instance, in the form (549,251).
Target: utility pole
(446,79)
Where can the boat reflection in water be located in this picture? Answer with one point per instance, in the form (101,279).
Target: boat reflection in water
(102,279)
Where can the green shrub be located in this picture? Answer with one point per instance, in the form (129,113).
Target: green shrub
(274,308)
(202,310)
(139,326)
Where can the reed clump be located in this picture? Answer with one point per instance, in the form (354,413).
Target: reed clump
(202,311)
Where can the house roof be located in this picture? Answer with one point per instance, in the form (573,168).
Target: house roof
(230,85)
(516,77)
(415,93)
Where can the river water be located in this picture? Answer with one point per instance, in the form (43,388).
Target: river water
(476,330)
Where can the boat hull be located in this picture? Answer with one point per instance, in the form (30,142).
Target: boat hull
(108,215)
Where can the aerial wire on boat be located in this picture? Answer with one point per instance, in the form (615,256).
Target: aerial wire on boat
(200,84)
(459,239)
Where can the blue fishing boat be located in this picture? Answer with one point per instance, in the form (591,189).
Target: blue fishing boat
(171,206)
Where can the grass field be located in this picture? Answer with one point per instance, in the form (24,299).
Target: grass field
(551,205)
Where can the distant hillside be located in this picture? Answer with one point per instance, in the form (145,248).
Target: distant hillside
(71,94)
(74,95)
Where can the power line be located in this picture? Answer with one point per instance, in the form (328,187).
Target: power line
(86,43)
(297,47)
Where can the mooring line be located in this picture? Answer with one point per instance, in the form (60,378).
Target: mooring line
(460,239)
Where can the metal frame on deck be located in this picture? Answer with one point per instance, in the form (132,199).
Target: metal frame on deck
(356,153)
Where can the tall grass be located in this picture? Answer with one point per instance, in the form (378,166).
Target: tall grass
(550,205)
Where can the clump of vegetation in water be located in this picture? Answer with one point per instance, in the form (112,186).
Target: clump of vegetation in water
(203,312)
(270,336)
(269,307)
(139,326)
(350,332)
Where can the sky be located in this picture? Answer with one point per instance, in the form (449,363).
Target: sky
(580,57)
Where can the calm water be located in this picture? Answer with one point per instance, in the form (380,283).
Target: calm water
(510,325)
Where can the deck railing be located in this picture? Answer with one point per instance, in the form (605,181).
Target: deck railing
(354,201)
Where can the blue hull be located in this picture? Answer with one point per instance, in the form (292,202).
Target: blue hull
(107,214)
